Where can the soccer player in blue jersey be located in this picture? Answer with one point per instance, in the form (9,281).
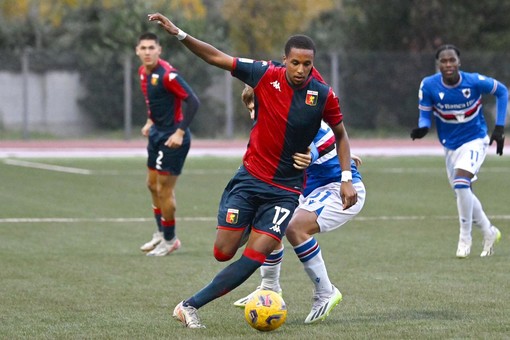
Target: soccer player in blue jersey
(290,105)
(454,98)
(319,211)
(169,138)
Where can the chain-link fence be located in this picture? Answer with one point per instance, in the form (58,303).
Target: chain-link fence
(53,94)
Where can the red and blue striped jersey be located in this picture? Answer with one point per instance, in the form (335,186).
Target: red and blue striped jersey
(287,119)
(164,90)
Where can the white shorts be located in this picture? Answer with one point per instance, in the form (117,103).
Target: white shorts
(325,201)
(469,157)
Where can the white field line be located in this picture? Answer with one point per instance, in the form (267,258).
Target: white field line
(35,165)
(196,152)
(43,166)
(209,219)
(97,219)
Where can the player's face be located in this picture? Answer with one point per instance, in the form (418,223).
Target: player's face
(299,64)
(448,63)
(148,51)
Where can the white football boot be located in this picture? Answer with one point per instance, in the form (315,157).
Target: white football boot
(463,249)
(243,301)
(188,316)
(157,237)
(490,241)
(323,305)
(165,247)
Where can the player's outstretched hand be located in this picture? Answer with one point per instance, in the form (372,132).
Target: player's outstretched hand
(164,22)
(498,135)
(419,132)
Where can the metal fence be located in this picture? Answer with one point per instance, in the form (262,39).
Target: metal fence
(52,94)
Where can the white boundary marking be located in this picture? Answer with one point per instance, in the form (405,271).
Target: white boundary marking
(208,219)
(200,152)
(35,165)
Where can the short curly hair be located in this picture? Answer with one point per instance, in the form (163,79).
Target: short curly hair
(447,47)
(247,96)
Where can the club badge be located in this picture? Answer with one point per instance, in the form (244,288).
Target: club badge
(154,79)
(232,216)
(311,97)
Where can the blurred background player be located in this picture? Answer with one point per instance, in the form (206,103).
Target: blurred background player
(168,135)
(320,210)
(265,190)
(455,99)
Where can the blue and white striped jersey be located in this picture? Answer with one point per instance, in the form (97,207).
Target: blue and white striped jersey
(458,109)
(325,167)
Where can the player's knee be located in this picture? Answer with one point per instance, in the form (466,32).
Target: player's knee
(221,256)
(297,232)
(152,187)
(290,233)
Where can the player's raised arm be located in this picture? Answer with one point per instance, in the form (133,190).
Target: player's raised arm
(207,52)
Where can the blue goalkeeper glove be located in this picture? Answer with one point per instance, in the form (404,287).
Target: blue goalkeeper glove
(419,132)
(498,135)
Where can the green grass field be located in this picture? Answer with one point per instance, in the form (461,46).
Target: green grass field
(71,268)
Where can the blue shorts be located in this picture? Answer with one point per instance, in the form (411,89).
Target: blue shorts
(247,201)
(164,159)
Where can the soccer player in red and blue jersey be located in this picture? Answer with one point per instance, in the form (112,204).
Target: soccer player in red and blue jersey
(319,211)
(454,98)
(290,104)
(169,138)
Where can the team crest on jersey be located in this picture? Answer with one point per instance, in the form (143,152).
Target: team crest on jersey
(232,216)
(311,97)
(154,79)
(466,92)
(441,95)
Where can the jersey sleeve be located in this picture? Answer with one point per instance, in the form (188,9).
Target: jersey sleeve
(314,152)
(143,87)
(249,71)
(500,91)
(424,98)
(176,85)
(332,114)
(425,106)
(501,103)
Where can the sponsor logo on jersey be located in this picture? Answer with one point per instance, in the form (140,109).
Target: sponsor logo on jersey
(276,85)
(246,60)
(232,216)
(276,229)
(311,97)
(154,79)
